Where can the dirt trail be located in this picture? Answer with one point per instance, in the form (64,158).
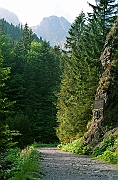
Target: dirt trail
(59,165)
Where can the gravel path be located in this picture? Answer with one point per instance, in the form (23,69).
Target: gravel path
(59,165)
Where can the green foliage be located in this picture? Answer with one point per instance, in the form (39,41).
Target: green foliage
(105,13)
(81,69)
(10,30)
(14,32)
(106,143)
(76,147)
(6,138)
(21,122)
(6,135)
(4,103)
(24,164)
(45,145)
(109,156)
(78,84)
(108,150)
(34,79)
(111,106)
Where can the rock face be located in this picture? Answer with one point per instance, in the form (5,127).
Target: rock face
(96,131)
(53,29)
(10,17)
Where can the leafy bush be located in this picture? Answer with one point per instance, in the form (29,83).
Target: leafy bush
(23,164)
(16,162)
(108,151)
(106,144)
(76,147)
(109,156)
(97,151)
(87,150)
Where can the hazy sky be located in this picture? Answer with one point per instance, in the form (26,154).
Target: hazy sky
(32,11)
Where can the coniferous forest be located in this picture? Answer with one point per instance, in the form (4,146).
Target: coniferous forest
(46,93)
(82,68)
(31,76)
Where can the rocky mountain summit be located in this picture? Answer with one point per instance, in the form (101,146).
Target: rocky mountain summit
(10,17)
(53,29)
(105,112)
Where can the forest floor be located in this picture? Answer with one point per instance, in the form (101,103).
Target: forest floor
(59,165)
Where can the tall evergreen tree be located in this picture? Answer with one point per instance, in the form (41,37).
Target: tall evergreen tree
(76,94)
(26,38)
(5,134)
(44,63)
(104,14)
(34,77)
(81,70)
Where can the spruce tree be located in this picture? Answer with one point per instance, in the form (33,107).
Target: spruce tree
(81,69)
(104,14)
(6,135)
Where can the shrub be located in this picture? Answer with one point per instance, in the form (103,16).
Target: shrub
(109,156)
(97,151)
(76,147)
(23,164)
(108,151)
(87,150)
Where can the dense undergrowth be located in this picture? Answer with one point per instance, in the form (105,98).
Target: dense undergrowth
(18,164)
(22,164)
(76,147)
(106,151)
(25,164)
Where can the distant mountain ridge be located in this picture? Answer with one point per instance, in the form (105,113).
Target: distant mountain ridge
(53,29)
(10,17)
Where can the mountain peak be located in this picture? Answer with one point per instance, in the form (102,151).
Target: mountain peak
(10,17)
(53,29)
